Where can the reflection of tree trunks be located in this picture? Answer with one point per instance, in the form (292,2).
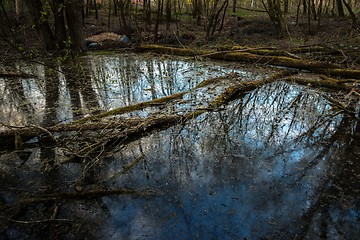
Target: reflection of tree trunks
(52,94)
(228,95)
(114,133)
(80,87)
(79,124)
(25,106)
(75,99)
(151,78)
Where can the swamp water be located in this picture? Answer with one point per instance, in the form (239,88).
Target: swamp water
(276,163)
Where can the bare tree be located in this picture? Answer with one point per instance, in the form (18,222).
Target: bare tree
(215,16)
(197,10)
(66,16)
(40,21)
(273,9)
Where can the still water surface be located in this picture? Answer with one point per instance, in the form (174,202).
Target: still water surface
(277,163)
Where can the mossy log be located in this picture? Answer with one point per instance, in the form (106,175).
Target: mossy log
(170,50)
(268,59)
(234,91)
(322,82)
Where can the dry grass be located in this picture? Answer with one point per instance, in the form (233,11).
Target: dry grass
(105,36)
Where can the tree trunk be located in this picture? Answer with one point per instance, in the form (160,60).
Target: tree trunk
(273,9)
(352,14)
(286,6)
(124,23)
(96,10)
(340,8)
(17,9)
(75,25)
(168,14)
(158,19)
(60,27)
(41,25)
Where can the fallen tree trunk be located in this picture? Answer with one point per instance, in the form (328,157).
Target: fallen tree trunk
(325,68)
(233,92)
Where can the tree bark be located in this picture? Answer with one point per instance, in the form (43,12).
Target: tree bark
(75,25)
(41,22)
(60,25)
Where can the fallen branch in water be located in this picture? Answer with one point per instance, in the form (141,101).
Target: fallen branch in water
(131,108)
(70,196)
(232,92)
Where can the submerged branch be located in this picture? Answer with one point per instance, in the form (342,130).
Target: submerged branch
(131,108)
(67,196)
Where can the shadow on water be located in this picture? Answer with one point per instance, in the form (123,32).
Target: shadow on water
(277,163)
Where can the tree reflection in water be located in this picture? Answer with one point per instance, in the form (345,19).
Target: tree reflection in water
(277,163)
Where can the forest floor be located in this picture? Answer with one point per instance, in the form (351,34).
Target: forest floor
(334,33)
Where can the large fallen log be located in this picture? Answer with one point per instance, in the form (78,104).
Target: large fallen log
(233,92)
(249,56)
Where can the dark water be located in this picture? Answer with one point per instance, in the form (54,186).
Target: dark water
(278,163)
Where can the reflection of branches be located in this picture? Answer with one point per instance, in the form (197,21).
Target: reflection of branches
(333,191)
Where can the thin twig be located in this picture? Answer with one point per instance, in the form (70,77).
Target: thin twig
(41,221)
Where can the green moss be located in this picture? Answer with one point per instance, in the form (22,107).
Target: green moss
(103,52)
